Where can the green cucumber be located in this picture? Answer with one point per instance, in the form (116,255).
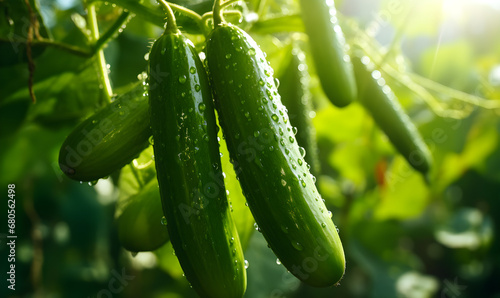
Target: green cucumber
(189,173)
(379,100)
(275,179)
(139,222)
(294,91)
(107,140)
(328,49)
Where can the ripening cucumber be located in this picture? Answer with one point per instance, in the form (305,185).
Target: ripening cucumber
(379,100)
(328,50)
(274,177)
(189,172)
(107,140)
(295,95)
(139,222)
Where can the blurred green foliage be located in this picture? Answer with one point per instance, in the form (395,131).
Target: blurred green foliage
(403,236)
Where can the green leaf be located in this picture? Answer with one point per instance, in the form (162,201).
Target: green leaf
(285,23)
(406,195)
(241,214)
(169,263)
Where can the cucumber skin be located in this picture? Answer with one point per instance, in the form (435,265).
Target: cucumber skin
(189,173)
(139,224)
(289,215)
(107,140)
(379,100)
(328,49)
(294,91)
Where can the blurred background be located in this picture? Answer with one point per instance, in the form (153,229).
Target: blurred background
(402,237)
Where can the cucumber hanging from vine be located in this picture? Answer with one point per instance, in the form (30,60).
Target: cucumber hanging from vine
(276,181)
(188,167)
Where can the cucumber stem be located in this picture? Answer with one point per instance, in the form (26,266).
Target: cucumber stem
(103,66)
(171,23)
(218,18)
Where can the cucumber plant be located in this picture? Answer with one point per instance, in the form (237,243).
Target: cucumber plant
(379,100)
(275,179)
(108,139)
(328,50)
(295,95)
(188,168)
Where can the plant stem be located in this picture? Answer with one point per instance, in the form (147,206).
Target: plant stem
(261,8)
(191,14)
(217,15)
(108,35)
(103,68)
(171,24)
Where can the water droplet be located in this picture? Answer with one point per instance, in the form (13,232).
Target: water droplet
(192,70)
(151,140)
(197,87)
(323,225)
(182,79)
(278,261)
(247,115)
(275,117)
(282,142)
(246,264)
(261,82)
(294,130)
(237,135)
(256,133)
(276,82)
(202,107)
(302,151)
(164,221)
(256,226)
(297,245)
(287,151)
(303,183)
(231,241)
(280,131)
(299,161)
(291,139)
(228,56)
(251,52)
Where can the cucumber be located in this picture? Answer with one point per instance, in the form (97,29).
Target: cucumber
(189,172)
(328,49)
(275,179)
(379,100)
(107,140)
(295,95)
(139,222)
